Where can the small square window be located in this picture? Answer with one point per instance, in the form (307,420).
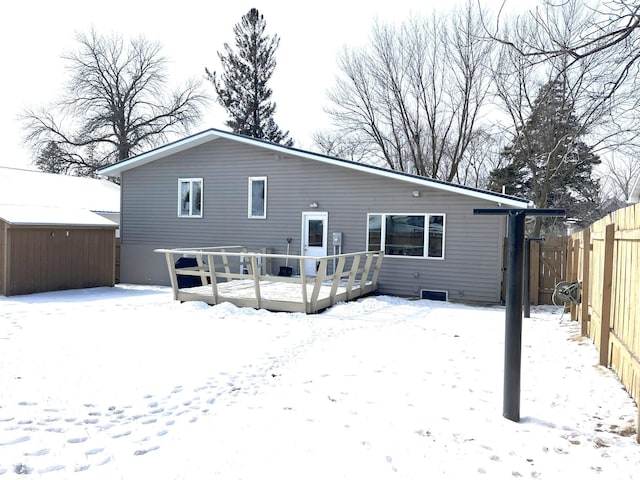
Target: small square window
(190,197)
(257,202)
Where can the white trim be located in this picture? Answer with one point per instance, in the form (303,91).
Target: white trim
(446,294)
(425,244)
(250,197)
(213,134)
(303,238)
(191,182)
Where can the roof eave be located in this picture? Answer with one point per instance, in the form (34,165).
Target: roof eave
(211,134)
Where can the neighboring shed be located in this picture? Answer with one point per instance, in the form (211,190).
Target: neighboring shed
(56,231)
(44,249)
(217,188)
(40,189)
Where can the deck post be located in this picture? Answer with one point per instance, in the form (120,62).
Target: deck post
(376,270)
(303,284)
(365,273)
(355,265)
(173,278)
(202,269)
(337,277)
(225,262)
(214,279)
(321,275)
(256,278)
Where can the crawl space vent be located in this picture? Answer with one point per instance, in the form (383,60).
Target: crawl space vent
(441,295)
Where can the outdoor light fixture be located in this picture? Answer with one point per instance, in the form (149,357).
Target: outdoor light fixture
(415,193)
(313,205)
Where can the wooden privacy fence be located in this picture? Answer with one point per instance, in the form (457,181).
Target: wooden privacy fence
(548,266)
(606,258)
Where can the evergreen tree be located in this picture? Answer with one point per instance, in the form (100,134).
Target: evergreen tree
(242,88)
(549,164)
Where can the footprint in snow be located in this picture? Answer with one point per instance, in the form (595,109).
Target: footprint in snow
(77,440)
(52,468)
(15,441)
(37,453)
(104,461)
(55,430)
(146,450)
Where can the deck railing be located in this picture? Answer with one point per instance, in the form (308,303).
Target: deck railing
(337,277)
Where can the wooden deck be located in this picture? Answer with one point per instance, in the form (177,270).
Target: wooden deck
(246,279)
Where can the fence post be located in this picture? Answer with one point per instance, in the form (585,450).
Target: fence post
(586,267)
(535,273)
(607,283)
(569,256)
(574,273)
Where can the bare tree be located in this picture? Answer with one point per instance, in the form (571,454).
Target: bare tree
(481,158)
(336,145)
(612,27)
(619,174)
(414,97)
(594,44)
(116,103)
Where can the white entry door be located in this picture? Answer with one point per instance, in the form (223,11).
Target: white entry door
(314,238)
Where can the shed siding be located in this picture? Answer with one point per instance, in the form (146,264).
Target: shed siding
(473,244)
(58,258)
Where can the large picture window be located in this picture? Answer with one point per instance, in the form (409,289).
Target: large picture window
(257,197)
(407,235)
(190,197)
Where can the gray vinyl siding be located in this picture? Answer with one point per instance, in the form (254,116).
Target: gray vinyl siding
(473,244)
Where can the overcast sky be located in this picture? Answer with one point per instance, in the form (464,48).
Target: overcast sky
(311,34)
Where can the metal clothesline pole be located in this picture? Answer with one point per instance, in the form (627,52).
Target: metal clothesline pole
(513,310)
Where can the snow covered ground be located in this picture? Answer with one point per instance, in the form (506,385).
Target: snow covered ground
(124,383)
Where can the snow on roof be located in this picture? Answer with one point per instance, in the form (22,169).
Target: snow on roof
(52,216)
(212,134)
(40,189)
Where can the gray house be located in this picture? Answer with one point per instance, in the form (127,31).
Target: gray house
(216,188)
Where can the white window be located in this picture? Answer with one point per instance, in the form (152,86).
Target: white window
(412,235)
(190,197)
(257,203)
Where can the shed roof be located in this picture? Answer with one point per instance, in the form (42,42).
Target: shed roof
(213,134)
(52,216)
(31,188)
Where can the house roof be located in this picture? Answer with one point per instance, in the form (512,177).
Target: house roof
(30,188)
(52,216)
(213,134)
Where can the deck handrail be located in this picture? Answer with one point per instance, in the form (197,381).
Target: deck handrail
(362,277)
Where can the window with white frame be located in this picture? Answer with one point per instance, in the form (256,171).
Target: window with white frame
(412,235)
(257,202)
(190,197)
